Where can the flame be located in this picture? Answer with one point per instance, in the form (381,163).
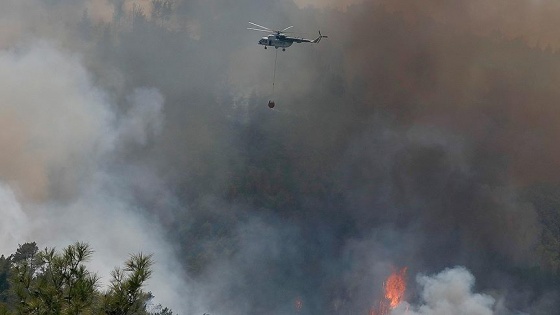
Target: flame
(382,309)
(298,304)
(395,286)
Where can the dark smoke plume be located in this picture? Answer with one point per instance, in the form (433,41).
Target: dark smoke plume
(419,134)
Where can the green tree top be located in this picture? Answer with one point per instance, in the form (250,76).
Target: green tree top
(51,282)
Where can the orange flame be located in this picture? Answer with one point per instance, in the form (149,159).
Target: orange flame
(395,286)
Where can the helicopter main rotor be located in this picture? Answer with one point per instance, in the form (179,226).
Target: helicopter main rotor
(268,30)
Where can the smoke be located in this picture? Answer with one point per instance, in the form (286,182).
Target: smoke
(531,21)
(14,221)
(57,127)
(407,138)
(59,147)
(144,119)
(332,4)
(445,73)
(449,292)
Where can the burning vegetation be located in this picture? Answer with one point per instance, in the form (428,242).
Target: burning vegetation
(394,289)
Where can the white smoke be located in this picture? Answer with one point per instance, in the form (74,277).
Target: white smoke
(60,177)
(448,293)
(56,125)
(144,119)
(14,221)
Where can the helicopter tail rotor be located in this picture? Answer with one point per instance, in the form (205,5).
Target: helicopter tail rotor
(318,39)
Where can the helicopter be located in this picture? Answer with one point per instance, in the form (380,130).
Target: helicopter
(279,39)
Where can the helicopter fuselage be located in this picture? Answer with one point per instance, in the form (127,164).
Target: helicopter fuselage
(276,41)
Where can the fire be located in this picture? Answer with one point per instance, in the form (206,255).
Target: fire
(395,286)
(298,304)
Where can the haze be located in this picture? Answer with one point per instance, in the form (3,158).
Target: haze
(421,134)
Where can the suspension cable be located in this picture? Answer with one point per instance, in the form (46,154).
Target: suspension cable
(274,72)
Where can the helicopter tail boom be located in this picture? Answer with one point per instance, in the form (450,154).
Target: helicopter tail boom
(318,39)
